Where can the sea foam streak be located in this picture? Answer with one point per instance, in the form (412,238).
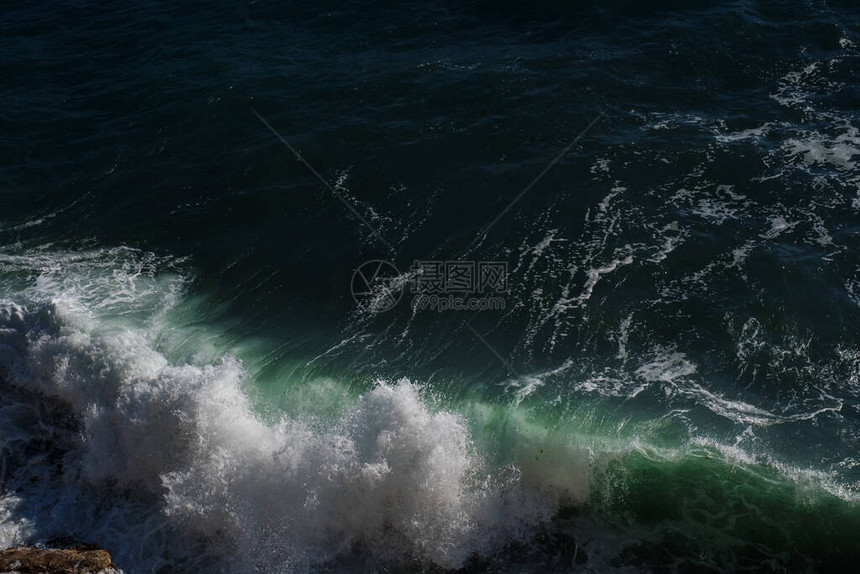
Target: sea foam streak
(169,463)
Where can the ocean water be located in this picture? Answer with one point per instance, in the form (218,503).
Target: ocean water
(221,353)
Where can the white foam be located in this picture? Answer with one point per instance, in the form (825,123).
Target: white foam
(593,277)
(670,242)
(178,449)
(816,149)
(667,367)
(755,134)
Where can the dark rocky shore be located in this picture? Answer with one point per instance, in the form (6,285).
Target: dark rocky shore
(75,560)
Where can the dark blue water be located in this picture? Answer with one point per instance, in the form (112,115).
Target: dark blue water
(201,373)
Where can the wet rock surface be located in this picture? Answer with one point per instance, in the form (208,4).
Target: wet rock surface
(82,559)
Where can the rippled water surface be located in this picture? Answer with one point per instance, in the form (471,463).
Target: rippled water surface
(202,373)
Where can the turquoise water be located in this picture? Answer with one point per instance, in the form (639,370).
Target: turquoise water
(202,374)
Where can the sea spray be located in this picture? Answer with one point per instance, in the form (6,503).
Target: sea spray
(182,448)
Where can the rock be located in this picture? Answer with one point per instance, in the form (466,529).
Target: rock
(75,560)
